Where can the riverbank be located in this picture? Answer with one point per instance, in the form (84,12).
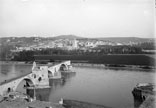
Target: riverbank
(20,100)
(108,66)
(80,104)
(86,64)
(145,94)
(117,59)
(150,102)
(24,104)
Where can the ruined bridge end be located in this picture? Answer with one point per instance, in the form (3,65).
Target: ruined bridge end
(36,78)
(11,86)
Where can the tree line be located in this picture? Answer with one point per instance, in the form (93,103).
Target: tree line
(5,51)
(102,50)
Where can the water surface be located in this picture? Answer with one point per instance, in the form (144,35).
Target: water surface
(109,87)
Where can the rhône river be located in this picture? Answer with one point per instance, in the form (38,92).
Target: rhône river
(109,87)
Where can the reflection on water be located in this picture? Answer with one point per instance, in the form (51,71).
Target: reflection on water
(109,87)
(5,69)
(54,83)
(41,94)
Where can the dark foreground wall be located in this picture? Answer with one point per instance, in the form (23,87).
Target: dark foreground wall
(103,59)
(80,104)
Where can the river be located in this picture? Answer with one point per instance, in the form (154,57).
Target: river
(109,87)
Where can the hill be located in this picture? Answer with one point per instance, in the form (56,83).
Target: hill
(71,37)
(111,39)
(127,39)
(123,40)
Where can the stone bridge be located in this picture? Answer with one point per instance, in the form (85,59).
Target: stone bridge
(54,72)
(38,77)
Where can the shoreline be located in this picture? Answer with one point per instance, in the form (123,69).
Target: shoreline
(120,67)
(87,64)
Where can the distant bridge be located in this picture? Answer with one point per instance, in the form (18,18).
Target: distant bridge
(54,72)
(39,76)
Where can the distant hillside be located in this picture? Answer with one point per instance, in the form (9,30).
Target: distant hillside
(123,40)
(67,37)
(127,39)
(112,39)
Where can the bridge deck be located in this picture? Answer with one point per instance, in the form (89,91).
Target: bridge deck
(25,74)
(7,81)
(53,64)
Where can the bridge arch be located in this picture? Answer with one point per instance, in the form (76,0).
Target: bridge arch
(63,67)
(50,74)
(28,83)
(55,71)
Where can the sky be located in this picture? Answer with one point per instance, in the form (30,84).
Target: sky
(85,18)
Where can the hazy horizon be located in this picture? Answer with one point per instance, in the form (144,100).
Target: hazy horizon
(84,18)
(73,35)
